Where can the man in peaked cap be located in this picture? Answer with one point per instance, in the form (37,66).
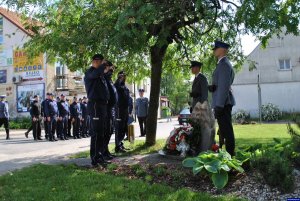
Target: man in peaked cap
(64,113)
(222,97)
(4,115)
(199,89)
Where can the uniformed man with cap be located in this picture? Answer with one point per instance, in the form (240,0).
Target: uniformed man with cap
(84,117)
(123,108)
(222,97)
(51,113)
(36,118)
(141,110)
(43,115)
(64,113)
(75,118)
(199,91)
(4,115)
(98,96)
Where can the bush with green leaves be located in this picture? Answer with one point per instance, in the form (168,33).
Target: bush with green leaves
(216,165)
(241,117)
(20,123)
(270,112)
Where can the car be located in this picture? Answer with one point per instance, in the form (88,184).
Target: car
(184,116)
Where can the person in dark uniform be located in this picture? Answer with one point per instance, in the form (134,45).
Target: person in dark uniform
(79,102)
(51,113)
(75,118)
(84,117)
(199,89)
(4,115)
(36,118)
(64,113)
(141,110)
(98,96)
(43,115)
(69,120)
(123,107)
(222,97)
(110,112)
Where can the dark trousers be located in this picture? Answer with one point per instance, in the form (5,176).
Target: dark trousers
(36,128)
(98,114)
(225,126)
(76,126)
(5,122)
(142,123)
(46,129)
(109,128)
(30,128)
(52,126)
(122,126)
(62,127)
(69,127)
(85,125)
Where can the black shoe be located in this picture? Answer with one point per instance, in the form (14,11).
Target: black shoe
(7,138)
(99,164)
(78,137)
(40,138)
(66,138)
(35,139)
(120,150)
(54,139)
(75,137)
(61,138)
(26,134)
(108,157)
(126,149)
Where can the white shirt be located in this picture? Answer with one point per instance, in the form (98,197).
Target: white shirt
(221,59)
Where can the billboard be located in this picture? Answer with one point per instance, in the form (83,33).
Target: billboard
(29,70)
(25,95)
(3,76)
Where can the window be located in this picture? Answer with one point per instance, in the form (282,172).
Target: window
(284,64)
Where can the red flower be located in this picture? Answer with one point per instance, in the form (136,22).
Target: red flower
(215,147)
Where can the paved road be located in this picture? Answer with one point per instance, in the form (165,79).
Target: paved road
(20,152)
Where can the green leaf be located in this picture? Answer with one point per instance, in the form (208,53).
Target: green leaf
(189,162)
(277,140)
(220,179)
(197,170)
(213,166)
(225,167)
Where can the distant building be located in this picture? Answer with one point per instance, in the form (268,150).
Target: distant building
(20,78)
(278,72)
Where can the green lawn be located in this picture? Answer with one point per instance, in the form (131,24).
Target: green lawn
(63,183)
(244,134)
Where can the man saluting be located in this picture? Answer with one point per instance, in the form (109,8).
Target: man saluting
(222,97)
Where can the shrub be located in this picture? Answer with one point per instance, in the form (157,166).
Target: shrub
(241,117)
(20,123)
(270,112)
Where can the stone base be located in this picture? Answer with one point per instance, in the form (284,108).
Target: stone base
(170,156)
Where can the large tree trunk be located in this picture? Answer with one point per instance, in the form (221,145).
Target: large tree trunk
(157,54)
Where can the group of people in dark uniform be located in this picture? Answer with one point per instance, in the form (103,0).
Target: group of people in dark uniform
(58,117)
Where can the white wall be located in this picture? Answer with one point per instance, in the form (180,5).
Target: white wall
(284,95)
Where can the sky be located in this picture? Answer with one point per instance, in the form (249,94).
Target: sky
(248,43)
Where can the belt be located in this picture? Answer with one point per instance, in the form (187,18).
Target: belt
(101,102)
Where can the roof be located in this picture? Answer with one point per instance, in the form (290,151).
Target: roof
(16,19)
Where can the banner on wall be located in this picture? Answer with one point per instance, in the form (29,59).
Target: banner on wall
(25,94)
(3,76)
(29,70)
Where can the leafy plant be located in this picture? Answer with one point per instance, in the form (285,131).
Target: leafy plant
(217,165)
(241,117)
(270,112)
(20,123)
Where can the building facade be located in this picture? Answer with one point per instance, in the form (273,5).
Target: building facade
(22,78)
(274,79)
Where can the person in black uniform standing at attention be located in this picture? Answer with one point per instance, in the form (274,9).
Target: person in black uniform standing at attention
(123,107)
(84,116)
(75,118)
(64,112)
(98,96)
(36,118)
(51,113)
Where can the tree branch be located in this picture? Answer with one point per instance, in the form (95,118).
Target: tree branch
(229,2)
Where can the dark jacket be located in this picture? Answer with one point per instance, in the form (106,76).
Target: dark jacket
(74,110)
(123,95)
(95,84)
(83,106)
(63,107)
(199,89)
(51,109)
(35,109)
(112,92)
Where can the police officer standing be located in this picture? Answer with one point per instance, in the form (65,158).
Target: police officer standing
(36,118)
(4,115)
(98,96)
(75,118)
(84,117)
(43,105)
(51,113)
(141,110)
(64,112)
(222,97)
(123,107)
(199,89)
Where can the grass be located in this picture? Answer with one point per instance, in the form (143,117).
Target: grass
(244,134)
(63,183)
